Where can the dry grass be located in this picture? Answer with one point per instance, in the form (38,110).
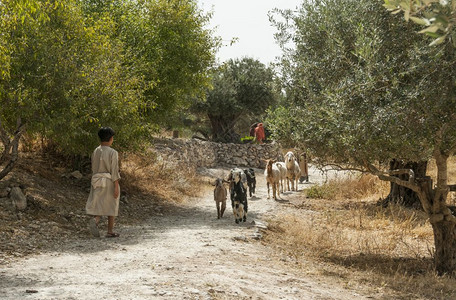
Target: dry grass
(355,187)
(148,174)
(368,244)
(389,248)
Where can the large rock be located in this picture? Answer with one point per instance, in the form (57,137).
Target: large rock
(18,198)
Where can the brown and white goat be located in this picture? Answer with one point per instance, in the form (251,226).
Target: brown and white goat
(220,197)
(272,175)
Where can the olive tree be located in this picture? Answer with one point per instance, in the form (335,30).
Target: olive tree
(65,77)
(166,42)
(69,67)
(240,88)
(365,89)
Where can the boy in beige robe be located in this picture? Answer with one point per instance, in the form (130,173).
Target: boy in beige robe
(105,189)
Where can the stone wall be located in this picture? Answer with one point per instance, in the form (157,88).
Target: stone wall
(208,154)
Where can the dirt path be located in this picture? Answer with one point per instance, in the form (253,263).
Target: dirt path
(188,254)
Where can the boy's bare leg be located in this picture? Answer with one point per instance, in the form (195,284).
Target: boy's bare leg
(110,224)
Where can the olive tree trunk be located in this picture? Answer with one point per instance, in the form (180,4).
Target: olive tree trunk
(433,201)
(442,220)
(223,128)
(400,194)
(445,247)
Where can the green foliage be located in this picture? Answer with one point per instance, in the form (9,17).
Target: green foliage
(69,67)
(437,16)
(169,47)
(66,78)
(325,191)
(240,89)
(247,139)
(362,86)
(282,127)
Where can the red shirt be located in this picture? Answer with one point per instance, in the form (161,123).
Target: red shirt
(259,133)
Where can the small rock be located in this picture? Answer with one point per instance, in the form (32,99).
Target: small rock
(76,174)
(124,199)
(18,198)
(257,236)
(240,238)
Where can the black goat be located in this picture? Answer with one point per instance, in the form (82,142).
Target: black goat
(238,194)
(251,180)
(239,204)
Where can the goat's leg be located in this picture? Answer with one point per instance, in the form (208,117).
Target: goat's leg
(223,208)
(274,190)
(243,213)
(235,212)
(245,209)
(268,189)
(217,205)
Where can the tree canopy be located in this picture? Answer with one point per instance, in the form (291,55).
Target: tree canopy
(363,89)
(69,67)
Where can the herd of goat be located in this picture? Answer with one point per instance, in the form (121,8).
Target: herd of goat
(242,180)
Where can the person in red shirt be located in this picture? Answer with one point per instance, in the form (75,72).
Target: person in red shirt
(259,133)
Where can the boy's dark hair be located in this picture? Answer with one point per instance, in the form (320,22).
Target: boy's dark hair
(105,134)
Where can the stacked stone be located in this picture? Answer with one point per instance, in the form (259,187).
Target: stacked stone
(208,154)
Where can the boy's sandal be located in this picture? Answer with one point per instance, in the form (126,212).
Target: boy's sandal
(111,235)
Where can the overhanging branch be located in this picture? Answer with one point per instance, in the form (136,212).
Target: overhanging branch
(389,176)
(338,167)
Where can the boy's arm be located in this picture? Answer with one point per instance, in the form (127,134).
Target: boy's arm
(116,189)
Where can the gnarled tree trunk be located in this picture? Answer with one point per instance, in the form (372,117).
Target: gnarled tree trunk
(223,128)
(441,218)
(433,201)
(400,194)
(445,246)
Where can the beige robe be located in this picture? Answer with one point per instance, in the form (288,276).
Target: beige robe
(105,171)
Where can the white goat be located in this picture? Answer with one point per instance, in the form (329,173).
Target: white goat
(272,175)
(283,173)
(293,170)
(220,197)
